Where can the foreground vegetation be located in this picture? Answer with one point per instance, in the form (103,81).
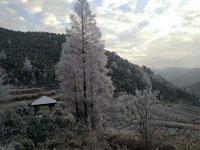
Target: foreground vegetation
(21,129)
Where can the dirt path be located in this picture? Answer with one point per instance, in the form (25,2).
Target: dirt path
(179,125)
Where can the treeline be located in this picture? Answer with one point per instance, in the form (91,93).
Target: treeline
(29,59)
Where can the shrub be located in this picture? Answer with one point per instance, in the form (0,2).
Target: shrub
(12,146)
(58,112)
(11,125)
(17,146)
(28,144)
(167,147)
(23,109)
(61,105)
(40,129)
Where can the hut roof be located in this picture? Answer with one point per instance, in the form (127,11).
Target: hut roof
(44,100)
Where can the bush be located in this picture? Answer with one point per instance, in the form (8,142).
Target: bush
(11,125)
(40,129)
(13,146)
(28,144)
(17,146)
(58,112)
(23,109)
(167,147)
(61,105)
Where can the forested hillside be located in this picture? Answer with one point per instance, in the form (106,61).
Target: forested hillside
(129,77)
(195,89)
(42,49)
(29,60)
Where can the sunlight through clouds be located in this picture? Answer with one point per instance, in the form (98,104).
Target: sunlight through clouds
(129,27)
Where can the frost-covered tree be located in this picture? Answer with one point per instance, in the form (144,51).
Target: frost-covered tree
(27,64)
(81,70)
(2,55)
(4,89)
(142,111)
(27,71)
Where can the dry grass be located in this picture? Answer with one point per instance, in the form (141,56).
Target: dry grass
(114,141)
(179,125)
(64,139)
(27,91)
(33,95)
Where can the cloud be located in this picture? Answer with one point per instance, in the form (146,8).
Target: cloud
(21,18)
(10,19)
(51,20)
(36,9)
(24,1)
(174,49)
(154,33)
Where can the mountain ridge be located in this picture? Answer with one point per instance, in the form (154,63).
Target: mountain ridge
(43,50)
(182,77)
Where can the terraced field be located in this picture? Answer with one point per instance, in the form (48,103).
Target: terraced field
(171,115)
(179,116)
(27,96)
(180,122)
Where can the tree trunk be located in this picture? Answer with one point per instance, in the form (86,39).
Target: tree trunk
(84,71)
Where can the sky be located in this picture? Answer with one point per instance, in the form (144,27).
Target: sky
(154,33)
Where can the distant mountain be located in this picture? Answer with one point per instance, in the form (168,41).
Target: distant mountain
(181,77)
(129,77)
(43,51)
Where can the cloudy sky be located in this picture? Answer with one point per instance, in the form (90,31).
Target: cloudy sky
(155,33)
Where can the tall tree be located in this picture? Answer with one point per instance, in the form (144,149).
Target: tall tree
(81,69)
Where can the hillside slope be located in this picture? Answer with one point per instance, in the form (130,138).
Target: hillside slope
(129,77)
(181,77)
(195,89)
(43,51)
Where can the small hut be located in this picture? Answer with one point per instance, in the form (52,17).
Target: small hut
(43,101)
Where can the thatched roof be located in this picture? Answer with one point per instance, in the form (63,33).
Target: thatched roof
(44,100)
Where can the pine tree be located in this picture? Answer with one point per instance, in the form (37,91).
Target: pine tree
(82,68)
